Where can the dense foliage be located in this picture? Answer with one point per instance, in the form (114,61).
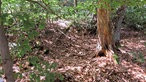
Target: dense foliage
(22,19)
(136,17)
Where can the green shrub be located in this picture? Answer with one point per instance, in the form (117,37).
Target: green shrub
(136,17)
(43,68)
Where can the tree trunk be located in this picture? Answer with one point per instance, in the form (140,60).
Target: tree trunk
(6,58)
(104,30)
(75,3)
(5,54)
(118,24)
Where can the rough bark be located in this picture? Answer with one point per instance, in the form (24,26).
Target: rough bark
(5,54)
(118,24)
(104,30)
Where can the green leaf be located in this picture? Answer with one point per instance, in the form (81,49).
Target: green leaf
(33,77)
(33,34)
(18,75)
(53,65)
(50,77)
(42,25)
(116,59)
(141,57)
(61,77)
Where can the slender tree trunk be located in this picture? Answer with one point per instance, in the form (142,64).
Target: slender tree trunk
(118,24)
(5,54)
(75,3)
(104,29)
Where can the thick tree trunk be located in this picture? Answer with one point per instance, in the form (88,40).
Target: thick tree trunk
(5,54)
(118,24)
(104,30)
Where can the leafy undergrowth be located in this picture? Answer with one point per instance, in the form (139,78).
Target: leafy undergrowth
(74,54)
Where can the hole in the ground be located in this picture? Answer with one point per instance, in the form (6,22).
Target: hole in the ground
(101,53)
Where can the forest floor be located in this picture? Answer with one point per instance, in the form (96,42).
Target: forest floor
(75,52)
